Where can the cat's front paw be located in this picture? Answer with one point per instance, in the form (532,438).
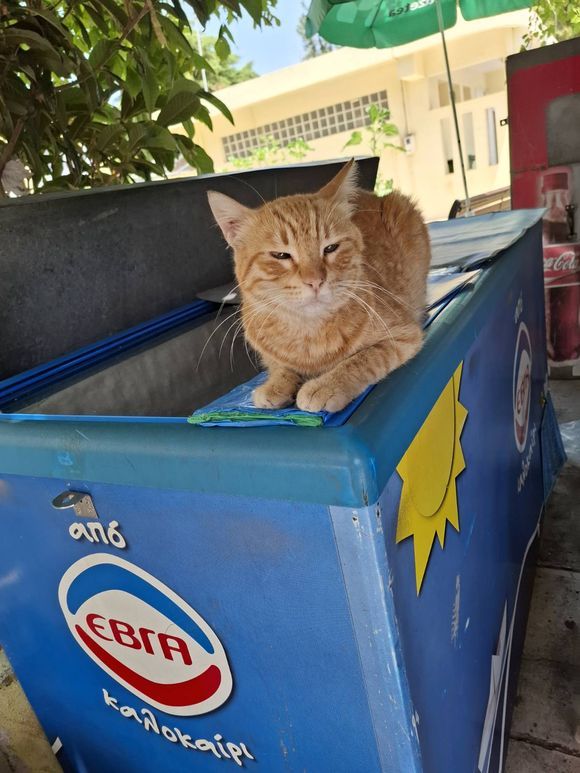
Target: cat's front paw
(322,394)
(267,396)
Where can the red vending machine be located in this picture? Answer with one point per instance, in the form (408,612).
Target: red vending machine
(544,118)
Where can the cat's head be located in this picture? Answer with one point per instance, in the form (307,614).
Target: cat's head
(297,254)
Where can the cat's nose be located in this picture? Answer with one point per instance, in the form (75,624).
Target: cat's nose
(314,282)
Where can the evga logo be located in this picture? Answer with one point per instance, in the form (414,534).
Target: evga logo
(522,386)
(144,635)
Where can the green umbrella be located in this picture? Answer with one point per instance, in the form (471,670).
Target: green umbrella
(387,23)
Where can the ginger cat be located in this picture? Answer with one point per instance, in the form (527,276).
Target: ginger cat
(333,288)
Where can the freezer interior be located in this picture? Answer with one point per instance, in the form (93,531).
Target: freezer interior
(170,376)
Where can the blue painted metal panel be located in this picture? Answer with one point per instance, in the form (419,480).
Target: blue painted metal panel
(452,628)
(361,545)
(266,578)
(553,453)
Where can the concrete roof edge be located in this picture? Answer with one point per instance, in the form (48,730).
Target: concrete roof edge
(346,61)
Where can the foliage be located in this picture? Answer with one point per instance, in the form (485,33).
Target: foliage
(314,46)
(552,20)
(383,185)
(379,133)
(270,152)
(224,72)
(90,92)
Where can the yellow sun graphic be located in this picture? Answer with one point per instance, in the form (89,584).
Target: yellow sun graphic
(429,470)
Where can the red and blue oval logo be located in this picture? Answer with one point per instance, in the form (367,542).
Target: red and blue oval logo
(144,635)
(522,386)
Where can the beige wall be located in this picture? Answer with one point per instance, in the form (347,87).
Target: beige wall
(409,74)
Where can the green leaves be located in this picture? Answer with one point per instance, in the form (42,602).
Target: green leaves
(212,99)
(107,136)
(177,40)
(102,52)
(356,138)
(194,154)
(552,20)
(378,129)
(255,9)
(150,88)
(133,85)
(271,152)
(179,108)
(202,161)
(383,185)
(161,138)
(222,48)
(14,36)
(89,89)
(182,103)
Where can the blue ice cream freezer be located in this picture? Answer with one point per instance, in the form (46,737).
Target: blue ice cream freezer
(281,598)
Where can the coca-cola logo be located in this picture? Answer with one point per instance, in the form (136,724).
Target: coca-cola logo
(522,386)
(565,261)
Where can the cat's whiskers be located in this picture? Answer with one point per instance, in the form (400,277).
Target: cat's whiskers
(262,307)
(237,310)
(256,308)
(236,332)
(214,331)
(238,326)
(223,303)
(384,301)
(383,289)
(367,309)
(381,302)
(240,322)
(252,360)
(235,335)
(245,182)
(266,319)
(370,311)
(357,284)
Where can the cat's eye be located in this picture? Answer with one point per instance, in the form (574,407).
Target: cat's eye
(330,248)
(281,255)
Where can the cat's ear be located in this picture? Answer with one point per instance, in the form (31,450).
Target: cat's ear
(229,214)
(343,185)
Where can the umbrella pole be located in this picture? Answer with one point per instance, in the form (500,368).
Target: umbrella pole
(454,109)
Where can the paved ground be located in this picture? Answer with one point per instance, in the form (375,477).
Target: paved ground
(23,745)
(545,732)
(547,715)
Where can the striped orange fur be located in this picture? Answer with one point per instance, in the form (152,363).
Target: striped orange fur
(333,288)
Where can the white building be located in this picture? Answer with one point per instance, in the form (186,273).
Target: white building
(323,100)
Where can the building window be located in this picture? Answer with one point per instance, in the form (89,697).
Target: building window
(469,140)
(309,126)
(447,146)
(491,136)
(443,94)
(468,83)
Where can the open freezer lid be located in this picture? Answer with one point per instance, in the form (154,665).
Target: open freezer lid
(471,242)
(78,267)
